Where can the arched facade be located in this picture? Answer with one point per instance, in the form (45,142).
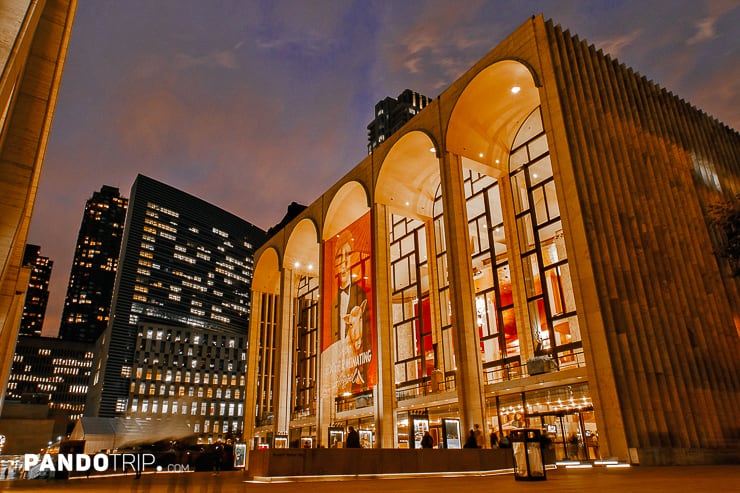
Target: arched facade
(452,283)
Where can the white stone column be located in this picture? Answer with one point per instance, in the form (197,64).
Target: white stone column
(283,369)
(385,394)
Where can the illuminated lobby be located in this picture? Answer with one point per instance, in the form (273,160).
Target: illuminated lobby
(531,250)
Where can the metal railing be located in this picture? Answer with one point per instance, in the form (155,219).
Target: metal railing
(573,358)
(427,386)
(509,371)
(352,402)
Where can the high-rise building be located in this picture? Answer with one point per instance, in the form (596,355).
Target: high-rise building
(37,294)
(185,268)
(93,273)
(534,249)
(391,114)
(192,378)
(49,370)
(33,49)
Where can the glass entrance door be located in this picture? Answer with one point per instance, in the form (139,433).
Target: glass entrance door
(572,434)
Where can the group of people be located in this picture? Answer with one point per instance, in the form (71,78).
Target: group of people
(477,440)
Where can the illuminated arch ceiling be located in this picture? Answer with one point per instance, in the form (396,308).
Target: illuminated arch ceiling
(302,250)
(266,277)
(348,204)
(409,176)
(488,114)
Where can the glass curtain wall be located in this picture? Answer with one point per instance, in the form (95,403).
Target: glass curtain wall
(447,364)
(547,281)
(494,302)
(412,326)
(266,360)
(305,347)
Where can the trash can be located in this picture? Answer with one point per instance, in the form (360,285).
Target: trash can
(529,463)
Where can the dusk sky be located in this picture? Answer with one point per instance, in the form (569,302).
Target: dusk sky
(251,105)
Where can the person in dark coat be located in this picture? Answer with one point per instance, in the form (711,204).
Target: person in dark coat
(471,442)
(427,441)
(353,438)
(494,439)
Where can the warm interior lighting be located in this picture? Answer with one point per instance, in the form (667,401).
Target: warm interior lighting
(432,149)
(515,89)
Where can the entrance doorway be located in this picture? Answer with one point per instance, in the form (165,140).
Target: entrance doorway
(572,433)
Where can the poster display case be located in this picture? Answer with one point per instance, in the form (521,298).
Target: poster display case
(366,438)
(281,442)
(336,438)
(420,426)
(240,455)
(451,430)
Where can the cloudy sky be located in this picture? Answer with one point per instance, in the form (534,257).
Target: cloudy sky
(253,104)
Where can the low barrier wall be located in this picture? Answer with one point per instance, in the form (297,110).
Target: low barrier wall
(309,462)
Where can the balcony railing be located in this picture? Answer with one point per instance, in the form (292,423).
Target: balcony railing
(427,385)
(572,358)
(352,402)
(509,371)
(303,413)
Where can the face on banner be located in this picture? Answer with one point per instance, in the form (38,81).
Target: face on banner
(348,329)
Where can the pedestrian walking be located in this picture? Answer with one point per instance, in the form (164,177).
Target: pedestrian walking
(353,438)
(427,441)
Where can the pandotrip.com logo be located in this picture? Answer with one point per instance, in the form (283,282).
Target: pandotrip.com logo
(83,463)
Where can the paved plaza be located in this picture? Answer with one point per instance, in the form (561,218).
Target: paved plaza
(694,479)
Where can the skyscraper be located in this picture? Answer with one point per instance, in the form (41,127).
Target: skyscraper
(391,114)
(184,264)
(37,294)
(87,304)
(48,370)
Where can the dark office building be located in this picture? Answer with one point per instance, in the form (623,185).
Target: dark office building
(191,379)
(48,370)
(391,114)
(184,263)
(87,304)
(37,295)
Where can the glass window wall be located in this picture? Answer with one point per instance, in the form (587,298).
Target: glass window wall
(547,280)
(411,315)
(305,347)
(494,301)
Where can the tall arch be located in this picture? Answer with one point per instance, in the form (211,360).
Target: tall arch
(409,176)
(489,112)
(266,277)
(350,202)
(300,335)
(348,343)
(302,249)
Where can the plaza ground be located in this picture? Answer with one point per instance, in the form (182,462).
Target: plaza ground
(689,479)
